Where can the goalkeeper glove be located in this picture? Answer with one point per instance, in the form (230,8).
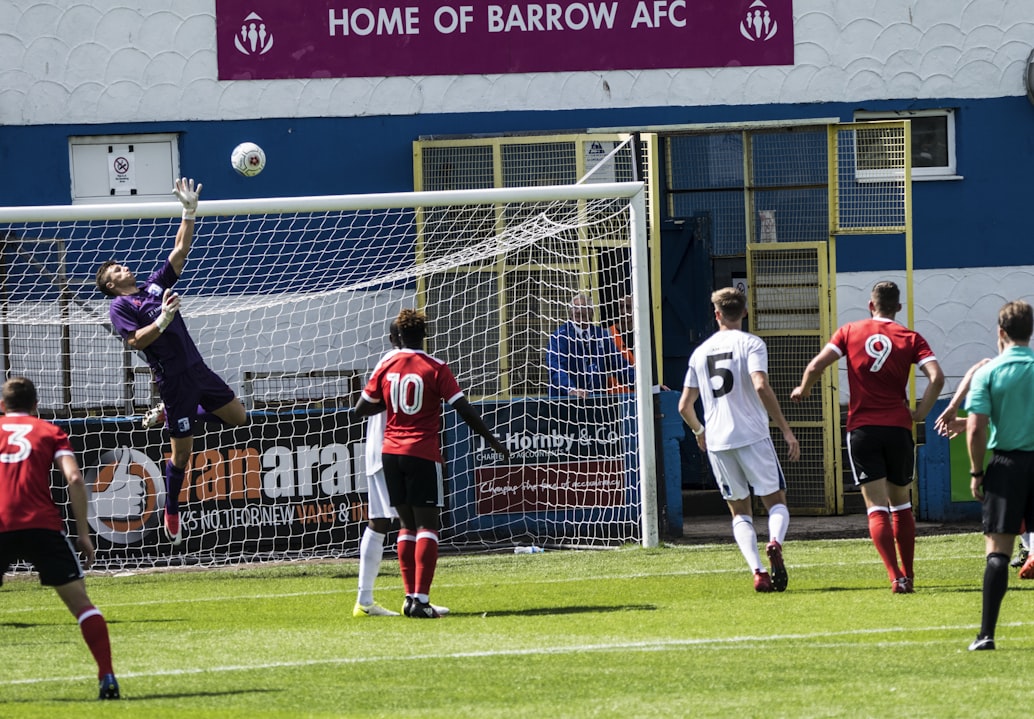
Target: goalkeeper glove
(170,306)
(187,194)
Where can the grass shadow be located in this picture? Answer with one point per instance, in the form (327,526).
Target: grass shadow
(143,697)
(198,695)
(71,622)
(921,589)
(560,611)
(33,625)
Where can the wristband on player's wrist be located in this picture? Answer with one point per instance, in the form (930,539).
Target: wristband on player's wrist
(163,321)
(698,432)
(977,475)
(189,214)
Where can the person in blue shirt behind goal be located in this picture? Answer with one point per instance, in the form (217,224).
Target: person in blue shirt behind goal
(582,358)
(147,317)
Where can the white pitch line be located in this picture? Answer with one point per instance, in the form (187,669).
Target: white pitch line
(650,646)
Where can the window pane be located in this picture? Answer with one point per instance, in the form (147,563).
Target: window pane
(930,141)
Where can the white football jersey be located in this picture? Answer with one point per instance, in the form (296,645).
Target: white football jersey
(720,368)
(374,442)
(375,425)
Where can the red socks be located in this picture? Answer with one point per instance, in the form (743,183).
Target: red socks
(882,534)
(95,632)
(905,536)
(418,558)
(426,559)
(406,547)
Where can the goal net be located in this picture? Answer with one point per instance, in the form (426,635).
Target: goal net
(288,300)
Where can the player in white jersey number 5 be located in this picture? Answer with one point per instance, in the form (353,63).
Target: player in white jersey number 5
(729,374)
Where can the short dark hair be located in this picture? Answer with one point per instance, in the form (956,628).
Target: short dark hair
(887,297)
(19,395)
(412,326)
(730,302)
(102,281)
(1017,320)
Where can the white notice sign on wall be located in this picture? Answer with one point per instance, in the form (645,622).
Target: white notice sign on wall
(121,170)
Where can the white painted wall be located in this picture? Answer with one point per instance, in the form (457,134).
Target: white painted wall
(956,311)
(96,61)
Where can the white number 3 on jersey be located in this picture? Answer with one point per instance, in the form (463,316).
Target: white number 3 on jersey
(18,440)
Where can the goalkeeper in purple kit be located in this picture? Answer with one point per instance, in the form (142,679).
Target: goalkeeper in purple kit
(147,317)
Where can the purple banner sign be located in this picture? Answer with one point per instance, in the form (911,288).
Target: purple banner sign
(273,39)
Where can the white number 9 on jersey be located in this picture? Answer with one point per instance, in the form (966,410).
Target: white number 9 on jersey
(878,347)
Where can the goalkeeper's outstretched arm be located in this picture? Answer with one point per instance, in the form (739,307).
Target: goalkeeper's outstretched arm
(187,194)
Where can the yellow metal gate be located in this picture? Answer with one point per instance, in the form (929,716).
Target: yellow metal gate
(780,193)
(792,285)
(790,309)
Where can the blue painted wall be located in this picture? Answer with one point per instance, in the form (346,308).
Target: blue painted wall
(982,220)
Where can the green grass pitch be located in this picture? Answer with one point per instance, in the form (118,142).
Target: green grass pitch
(671,632)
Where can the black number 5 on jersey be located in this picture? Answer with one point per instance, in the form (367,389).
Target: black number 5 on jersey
(722,373)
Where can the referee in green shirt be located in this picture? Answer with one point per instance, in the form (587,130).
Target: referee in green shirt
(1001,418)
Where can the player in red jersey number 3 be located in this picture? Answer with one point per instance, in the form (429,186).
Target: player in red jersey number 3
(411,385)
(31,526)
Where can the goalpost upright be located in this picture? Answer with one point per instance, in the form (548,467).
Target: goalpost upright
(289,299)
(644,379)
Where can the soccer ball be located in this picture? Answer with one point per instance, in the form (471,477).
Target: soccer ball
(248,159)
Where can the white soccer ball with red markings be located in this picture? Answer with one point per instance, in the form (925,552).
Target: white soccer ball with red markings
(248,159)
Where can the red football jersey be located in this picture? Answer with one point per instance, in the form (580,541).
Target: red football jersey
(880,353)
(28,448)
(413,385)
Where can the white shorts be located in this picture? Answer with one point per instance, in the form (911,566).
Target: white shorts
(379,505)
(755,466)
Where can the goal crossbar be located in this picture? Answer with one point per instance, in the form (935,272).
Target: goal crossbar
(322,203)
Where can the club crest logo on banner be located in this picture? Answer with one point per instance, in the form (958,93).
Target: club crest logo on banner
(253,38)
(759,23)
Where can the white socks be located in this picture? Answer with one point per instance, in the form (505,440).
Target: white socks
(778,522)
(371,551)
(747,540)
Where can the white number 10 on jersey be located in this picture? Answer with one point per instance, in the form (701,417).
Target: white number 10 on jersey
(407,392)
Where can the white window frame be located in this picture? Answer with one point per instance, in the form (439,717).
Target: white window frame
(945,172)
(171,139)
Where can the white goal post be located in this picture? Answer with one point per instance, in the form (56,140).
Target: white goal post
(288,299)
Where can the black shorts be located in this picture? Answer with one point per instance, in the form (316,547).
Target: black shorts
(413,481)
(881,452)
(49,552)
(1008,492)
(185,392)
